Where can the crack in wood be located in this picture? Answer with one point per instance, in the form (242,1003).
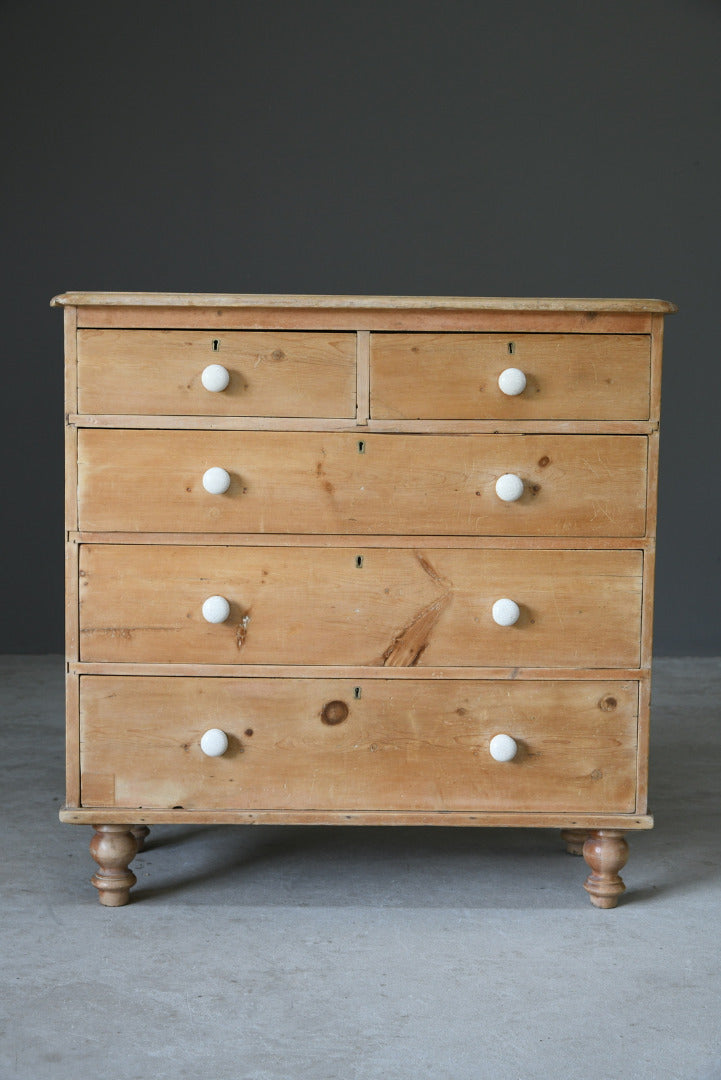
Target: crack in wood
(241,630)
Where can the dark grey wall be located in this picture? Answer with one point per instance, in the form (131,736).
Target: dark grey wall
(526,148)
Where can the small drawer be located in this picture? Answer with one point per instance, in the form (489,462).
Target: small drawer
(545,376)
(184,372)
(356,606)
(336,482)
(308,744)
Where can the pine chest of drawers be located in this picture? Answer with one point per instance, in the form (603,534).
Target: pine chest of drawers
(372,560)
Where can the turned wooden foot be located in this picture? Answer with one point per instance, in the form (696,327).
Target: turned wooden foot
(113,847)
(606,853)
(140,832)
(574,839)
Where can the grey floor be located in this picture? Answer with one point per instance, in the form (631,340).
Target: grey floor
(356,953)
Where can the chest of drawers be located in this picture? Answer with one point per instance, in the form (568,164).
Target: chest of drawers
(359,560)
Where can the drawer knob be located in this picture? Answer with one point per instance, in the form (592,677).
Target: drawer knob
(512,381)
(216,609)
(503,748)
(214,742)
(216,480)
(509,487)
(216,378)
(505,612)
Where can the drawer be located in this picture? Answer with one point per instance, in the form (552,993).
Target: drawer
(455,376)
(270,374)
(323,482)
(359,606)
(311,744)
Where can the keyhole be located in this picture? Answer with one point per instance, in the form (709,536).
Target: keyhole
(511,347)
(359,561)
(356,692)
(216,344)
(361,447)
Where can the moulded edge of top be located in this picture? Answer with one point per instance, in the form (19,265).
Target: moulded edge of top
(409,303)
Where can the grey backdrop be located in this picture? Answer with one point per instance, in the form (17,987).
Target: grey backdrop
(526,148)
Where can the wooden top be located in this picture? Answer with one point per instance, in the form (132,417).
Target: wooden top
(409,303)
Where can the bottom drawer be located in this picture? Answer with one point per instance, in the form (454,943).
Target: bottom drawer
(332,744)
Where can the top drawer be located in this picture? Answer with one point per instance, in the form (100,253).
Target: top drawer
(455,376)
(150,372)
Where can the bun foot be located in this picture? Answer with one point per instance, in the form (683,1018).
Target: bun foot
(140,832)
(606,853)
(113,847)
(574,839)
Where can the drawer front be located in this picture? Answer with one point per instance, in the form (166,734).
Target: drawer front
(360,606)
(322,482)
(270,374)
(311,744)
(455,376)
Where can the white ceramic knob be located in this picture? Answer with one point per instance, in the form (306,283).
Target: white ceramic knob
(215,378)
(505,612)
(216,480)
(216,609)
(509,487)
(512,381)
(503,748)
(214,742)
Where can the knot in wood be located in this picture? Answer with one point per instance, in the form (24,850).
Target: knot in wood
(334,712)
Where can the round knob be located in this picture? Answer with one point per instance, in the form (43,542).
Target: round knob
(503,748)
(216,480)
(512,381)
(509,487)
(505,612)
(215,378)
(216,609)
(214,742)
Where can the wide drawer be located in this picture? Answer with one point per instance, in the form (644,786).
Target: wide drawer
(270,374)
(314,744)
(455,376)
(359,606)
(336,482)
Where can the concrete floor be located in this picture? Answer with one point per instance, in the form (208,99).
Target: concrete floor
(358,953)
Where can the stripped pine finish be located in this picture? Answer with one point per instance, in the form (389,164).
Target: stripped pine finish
(143,371)
(344,622)
(405,746)
(580,485)
(579,377)
(399,608)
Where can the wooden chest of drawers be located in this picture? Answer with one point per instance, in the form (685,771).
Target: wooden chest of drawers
(371,560)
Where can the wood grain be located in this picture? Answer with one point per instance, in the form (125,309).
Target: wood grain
(271,374)
(400,608)
(363,378)
(357,673)
(455,376)
(409,746)
(361,545)
(540,321)
(407,427)
(360,303)
(536,819)
(581,485)
(526,543)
